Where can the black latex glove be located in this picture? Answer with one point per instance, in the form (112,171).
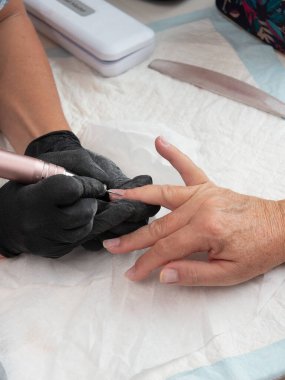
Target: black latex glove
(138,212)
(48,218)
(116,218)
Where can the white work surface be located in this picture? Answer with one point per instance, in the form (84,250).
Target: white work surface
(78,318)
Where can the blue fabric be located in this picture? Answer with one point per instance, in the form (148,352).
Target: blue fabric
(267,363)
(3,3)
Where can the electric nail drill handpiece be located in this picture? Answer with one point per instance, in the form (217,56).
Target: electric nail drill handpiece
(25,169)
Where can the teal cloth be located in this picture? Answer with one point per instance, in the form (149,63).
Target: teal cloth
(267,363)
(3,3)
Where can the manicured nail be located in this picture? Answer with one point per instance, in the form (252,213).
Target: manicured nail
(164,141)
(115,192)
(130,273)
(168,276)
(110,243)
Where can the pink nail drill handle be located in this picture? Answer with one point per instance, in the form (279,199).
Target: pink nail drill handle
(26,169)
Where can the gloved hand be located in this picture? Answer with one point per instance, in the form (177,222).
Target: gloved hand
(111,218)
(114,218)
(48,218)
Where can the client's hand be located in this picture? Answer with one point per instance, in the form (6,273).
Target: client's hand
(48,218)
(112,219)
(243,236)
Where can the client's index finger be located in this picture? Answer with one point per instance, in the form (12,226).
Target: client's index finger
(169,196)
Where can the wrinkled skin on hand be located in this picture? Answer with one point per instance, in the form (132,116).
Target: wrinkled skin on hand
(243,236)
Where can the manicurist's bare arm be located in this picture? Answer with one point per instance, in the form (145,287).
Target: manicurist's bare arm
(29,102)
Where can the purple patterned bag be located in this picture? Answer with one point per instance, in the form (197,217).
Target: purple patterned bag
(263,18)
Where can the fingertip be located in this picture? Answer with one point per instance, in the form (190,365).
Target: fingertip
(169,276)
(115,194)
(161,144)
(109,244)
(131,274)
(161,140)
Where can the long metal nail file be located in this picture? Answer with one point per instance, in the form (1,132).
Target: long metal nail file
(221,84)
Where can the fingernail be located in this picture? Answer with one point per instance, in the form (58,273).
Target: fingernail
(164,141)
(130,273)
(110,243)
(168,276)
(115,192)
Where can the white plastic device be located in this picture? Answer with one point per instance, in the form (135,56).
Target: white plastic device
(94,31)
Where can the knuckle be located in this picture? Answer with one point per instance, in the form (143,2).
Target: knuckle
(158,228)
(214,224)
(161,248)
(155,228)
(190,276)
(168,192)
